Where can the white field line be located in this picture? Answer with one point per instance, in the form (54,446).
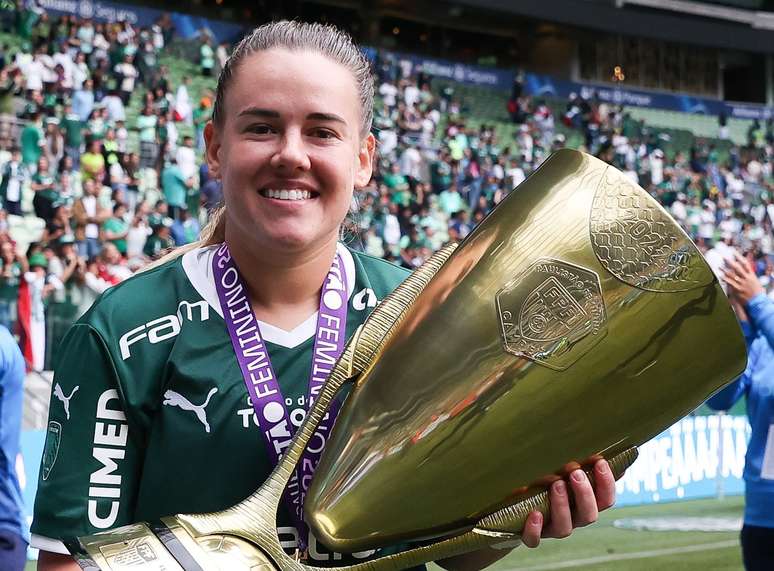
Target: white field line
(634,555)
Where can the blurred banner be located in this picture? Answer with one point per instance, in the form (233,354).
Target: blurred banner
(544,85)
(699,457)
(186,25)
(548,86)
(695,458)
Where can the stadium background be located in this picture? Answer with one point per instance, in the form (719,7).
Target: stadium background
(471,97)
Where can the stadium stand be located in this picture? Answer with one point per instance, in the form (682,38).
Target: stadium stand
(449,152)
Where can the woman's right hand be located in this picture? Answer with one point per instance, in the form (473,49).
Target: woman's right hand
(742,282)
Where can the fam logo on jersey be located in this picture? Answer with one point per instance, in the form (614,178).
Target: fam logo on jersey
(162,328)
(174,398)
(364,298)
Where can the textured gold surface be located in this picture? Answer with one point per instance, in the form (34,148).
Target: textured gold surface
(638,242)
(464,412)
(575,323)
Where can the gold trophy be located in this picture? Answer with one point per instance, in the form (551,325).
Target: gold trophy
(575,323)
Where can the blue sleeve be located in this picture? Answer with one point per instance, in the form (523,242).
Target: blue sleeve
(727,396)
(761,312)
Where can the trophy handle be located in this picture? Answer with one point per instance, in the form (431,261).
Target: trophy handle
(255,518)
(501,527)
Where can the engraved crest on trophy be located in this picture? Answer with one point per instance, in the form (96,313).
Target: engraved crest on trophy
(636,241)
(548,312)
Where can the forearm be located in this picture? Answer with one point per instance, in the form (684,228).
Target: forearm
(48,561)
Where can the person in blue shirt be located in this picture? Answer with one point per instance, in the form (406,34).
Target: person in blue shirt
(14,535)
(756,315)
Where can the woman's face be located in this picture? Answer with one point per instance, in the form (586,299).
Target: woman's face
(289,152)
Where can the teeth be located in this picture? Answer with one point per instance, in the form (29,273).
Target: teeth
(284,194)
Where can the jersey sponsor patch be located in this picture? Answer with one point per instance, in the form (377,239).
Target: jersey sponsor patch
(110,436)
(51,448)
(163,328)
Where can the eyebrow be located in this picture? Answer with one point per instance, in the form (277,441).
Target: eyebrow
(258,112)
(326,117)
(272,114)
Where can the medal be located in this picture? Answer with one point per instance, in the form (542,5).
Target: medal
(261,381)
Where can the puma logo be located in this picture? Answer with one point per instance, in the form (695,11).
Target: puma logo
(173,398)
(59,393)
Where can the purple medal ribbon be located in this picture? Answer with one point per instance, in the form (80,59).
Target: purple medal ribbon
(261,381)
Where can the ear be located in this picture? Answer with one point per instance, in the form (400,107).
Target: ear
(365,161)
(212,152)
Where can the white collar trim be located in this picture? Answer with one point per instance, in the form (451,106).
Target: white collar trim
(197,265)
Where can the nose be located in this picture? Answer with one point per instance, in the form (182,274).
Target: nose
(291,155)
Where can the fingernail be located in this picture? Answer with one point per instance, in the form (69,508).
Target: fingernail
(536,518)
(602,467)
(578,476)
(559,487)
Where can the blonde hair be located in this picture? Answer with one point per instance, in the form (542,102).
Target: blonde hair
(323,39)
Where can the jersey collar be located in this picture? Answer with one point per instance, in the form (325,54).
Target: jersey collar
(197,265)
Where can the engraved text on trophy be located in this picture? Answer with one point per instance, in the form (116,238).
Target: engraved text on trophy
(552,314)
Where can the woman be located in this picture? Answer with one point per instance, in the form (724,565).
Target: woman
(46,190)
(289,139)
(756,315)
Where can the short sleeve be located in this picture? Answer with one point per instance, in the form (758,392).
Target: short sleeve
(91,460)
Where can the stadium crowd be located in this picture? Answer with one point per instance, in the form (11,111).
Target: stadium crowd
(91,191)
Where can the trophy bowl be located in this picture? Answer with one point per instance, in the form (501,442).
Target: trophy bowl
(572,324)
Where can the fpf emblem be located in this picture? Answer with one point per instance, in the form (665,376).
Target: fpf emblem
(552,313)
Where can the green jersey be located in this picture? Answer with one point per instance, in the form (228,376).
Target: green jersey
(150,415)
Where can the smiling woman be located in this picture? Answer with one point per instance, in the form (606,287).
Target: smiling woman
(169,419)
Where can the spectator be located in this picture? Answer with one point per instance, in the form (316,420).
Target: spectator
(115,229)
(114,106)
(185,157)
(175,186)
(206,57)
(185,230)
(14,266)
(88,215)
(41,284)
(183,102)
(146,124)
(160,240)
(46,190)
(83,100)
(93,162)
(14,176)
(126,76)
(201,115)
(136,237)
(32,142)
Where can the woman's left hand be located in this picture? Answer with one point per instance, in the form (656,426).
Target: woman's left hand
(588,501)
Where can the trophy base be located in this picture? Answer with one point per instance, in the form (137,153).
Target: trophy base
(166,546)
